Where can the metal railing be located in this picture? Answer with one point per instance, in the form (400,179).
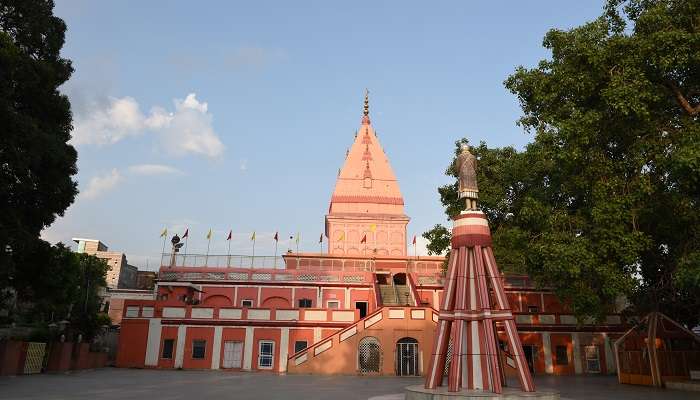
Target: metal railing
(222,261)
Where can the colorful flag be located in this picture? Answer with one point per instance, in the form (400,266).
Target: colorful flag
(209,234)
(164,233)
(252,237)
(373,227)
(230,232)
(277,238)
(320,239)
(364,239)
(187,233)
(414,240)
(342,236)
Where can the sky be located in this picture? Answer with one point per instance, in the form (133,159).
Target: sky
(236,116)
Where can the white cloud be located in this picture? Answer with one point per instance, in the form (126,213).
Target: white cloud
(153,169)
(243,165)
(99,185)
(187,130)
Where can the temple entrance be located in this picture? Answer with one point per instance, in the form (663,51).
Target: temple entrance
(369,355)
(530,351)
(399,279)
(407,357)
(382,278)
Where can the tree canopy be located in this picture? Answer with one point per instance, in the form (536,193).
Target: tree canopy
(603,202)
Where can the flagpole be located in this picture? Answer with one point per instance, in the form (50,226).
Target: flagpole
(228,253)
(274,262)
(206,259)
(297,242)
(252,260)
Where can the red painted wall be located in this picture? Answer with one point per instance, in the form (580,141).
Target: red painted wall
(266,334)
(198,333)
(132,343)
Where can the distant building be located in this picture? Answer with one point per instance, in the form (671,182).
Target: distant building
(145,280)
(120,275)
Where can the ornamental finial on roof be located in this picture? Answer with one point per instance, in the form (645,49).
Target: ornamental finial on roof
(365,114)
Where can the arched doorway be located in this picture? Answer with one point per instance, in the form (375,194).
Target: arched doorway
(369,355)
(407,357)
(400,279)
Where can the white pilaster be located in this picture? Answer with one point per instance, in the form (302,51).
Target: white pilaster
(317,335)
(577,352)
(436,300)
(153,342)
(294,297)
(284,349)
(259,295)
(180,347)
(319,297)
(547,348)
(347,297)
(248,348)
(216,348)
(609,356)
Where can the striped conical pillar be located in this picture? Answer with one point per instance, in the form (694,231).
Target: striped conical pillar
(474,299)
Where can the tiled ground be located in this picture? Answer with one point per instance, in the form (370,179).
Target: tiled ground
(112,383)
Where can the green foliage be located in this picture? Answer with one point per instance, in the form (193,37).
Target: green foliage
(56,284)
(604,202)
(36,162)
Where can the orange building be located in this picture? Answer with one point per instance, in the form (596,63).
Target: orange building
(365,307)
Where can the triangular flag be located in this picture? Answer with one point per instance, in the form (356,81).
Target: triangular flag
(277,238)
(373,227)
(187,233)
(164,233)
(209,234)
(320,239)
(342,236)
(252,237)
(229,234)
(414,240)
(364,239)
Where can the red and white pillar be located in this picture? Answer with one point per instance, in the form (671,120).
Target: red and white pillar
(468,315)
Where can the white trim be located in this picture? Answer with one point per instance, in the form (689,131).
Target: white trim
(577,352)
(317,335)
(153,342)
(216,348)
(347,297)
(328,302)
(180,346)
(284,349)
(259,295)
(248,348)
(547,349)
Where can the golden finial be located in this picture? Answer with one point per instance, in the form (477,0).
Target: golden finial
(366,103)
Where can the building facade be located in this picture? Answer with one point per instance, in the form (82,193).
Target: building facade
(364,307)
(121,274)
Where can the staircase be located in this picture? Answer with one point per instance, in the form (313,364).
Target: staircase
(395,295)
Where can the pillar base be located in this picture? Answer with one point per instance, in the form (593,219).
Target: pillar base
(418,392)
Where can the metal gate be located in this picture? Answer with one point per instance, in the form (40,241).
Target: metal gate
(232,354)
(407,357)
(369,355)
(592,360)
(35,358)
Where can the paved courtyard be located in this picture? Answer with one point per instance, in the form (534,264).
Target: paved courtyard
(112,383)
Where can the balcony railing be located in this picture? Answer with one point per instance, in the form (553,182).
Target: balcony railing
(221,261)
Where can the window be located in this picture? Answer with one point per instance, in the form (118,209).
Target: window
(533,309)
(362,306)
(299,345)
(562,355)
(305,303)
(132,311)
(198,349)
(333,304)
(168,345)
(247,303)
(266,354)
(147,312)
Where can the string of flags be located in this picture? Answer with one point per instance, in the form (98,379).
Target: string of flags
(253,237)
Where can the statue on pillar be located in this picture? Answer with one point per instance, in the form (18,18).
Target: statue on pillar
(466,167)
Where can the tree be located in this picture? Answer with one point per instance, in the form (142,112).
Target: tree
(36,162)
(604,201)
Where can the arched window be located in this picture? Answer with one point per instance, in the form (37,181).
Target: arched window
(369,355)
(407,357)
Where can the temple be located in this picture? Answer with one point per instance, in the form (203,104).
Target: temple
(364,306)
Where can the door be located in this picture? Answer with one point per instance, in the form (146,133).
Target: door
(407,357)
(530,351)
(233,352)
(592,360)
(362,306)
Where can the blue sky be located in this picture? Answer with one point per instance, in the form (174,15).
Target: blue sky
(237,115)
